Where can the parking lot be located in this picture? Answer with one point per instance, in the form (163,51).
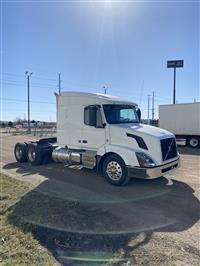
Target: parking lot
(147,222)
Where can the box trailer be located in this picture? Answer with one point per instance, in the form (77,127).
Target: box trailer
(103,132)
(183,120)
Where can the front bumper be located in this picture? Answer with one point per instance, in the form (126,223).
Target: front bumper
(153,172)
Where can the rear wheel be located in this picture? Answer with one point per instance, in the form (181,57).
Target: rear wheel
(115,171)
(34,154)
(20,152)
(194,142)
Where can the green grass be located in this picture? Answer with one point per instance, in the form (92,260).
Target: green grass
(17,247)
(33,218)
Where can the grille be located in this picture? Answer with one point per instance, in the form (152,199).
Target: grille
(168,148)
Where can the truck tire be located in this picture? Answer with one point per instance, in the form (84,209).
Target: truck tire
(193,142)
(115,171)
(34,154)
(20,152)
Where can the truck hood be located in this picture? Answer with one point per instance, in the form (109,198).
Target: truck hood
(142,129)
(150,135)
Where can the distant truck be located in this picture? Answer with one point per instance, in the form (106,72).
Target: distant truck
(183,120)
(103,132)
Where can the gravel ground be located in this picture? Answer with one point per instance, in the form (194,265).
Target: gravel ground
(83,220)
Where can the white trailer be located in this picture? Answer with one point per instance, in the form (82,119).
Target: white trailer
(103,132)
(183,120)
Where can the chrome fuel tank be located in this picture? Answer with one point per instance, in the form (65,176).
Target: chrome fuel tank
(66,156)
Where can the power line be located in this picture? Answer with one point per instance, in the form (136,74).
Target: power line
(20,85)
(22,82)
(160,97)
(36,77)
(82,86)
(17,81)
(45,79)
(14,75)
(21,100)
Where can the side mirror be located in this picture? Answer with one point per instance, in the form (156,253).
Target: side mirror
(92,116)
(99,122)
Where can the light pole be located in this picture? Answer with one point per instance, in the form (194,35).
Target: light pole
(174,64)
(28,86)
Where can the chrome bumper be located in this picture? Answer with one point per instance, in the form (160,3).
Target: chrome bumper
(153,172)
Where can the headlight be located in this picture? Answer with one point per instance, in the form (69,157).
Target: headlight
(145,160)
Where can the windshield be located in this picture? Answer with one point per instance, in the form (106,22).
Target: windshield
(117,114)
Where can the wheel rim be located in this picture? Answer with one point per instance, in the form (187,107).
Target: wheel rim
(193,142)
(19,152)
(31,154)
(114,170)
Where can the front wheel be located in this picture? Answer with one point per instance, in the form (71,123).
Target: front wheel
(115,171)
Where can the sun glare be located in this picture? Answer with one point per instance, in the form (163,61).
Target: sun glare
(107,3)
(107,8)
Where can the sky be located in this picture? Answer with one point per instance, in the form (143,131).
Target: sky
(122,45)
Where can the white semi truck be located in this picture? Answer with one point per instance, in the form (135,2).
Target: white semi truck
(103,132)
(183,120)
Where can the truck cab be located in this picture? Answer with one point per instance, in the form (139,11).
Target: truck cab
(108,128)
(103,132)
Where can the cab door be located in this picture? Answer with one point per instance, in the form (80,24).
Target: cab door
(93,132)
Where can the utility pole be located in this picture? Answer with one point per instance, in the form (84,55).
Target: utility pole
(148,108)
(153,106)
(174,88)
(59,82)
(28,87)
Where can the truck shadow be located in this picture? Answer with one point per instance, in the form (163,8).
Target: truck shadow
(83,220)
